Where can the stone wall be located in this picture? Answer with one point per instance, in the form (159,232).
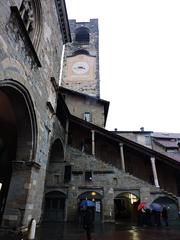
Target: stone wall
(79,105)
(107,180)
(20,64)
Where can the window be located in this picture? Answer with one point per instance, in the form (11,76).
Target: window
(27,15)
(56,179)
(67,174)
(88,116)
(31,15)
(82,35)
(81,51)
(148,140)
(88,176)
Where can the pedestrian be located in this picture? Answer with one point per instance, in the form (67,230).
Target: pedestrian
(164,215)
(148,217)
(141,214)
(88,221)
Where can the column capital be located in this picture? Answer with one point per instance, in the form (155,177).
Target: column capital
(121,144)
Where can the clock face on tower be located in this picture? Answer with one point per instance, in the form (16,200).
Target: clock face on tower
(80,67)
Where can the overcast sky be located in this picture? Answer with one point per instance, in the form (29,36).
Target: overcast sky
(139,60)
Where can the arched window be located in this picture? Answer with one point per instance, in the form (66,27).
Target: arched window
(31,15)
(82,35)
(81,51)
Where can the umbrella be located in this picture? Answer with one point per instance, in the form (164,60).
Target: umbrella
(141,206)
(87,203)
(156,207)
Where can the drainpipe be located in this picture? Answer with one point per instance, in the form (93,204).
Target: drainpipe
(122,157)
(93,142)
(153,164)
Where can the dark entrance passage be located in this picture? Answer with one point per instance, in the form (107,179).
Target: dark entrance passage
(17,141)
(96,197)
(8,144)
(125,207)
(54,210)
(171,206)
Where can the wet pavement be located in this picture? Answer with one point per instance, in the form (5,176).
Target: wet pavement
(107,232)
(69,231)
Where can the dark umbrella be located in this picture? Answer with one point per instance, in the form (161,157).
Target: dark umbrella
(87,203)
(156,207)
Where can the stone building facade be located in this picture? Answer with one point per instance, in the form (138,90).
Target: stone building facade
(51,156)
(116,172)
(32,35)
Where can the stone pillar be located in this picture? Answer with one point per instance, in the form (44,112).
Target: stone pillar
(93,142)
(178,198)
(145,195)
(122,156)
(71,205)
(108,205)
(153,164)
(21,201)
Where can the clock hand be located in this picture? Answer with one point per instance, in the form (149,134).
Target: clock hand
(81,67)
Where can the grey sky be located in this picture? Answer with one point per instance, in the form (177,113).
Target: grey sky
(139,60)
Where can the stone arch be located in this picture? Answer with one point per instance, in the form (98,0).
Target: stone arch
(125,207)
(55,167)
(18,135)
(18,99)
(97,198)
(56,152)
(54,208)
(170,204)
(82,35)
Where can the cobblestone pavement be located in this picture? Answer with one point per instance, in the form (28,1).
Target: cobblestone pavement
(107,232)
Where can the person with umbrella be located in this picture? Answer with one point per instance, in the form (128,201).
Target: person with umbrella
(164,215)
(156,213)
(88,217)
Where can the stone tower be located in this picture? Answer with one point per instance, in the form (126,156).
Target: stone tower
(81,59)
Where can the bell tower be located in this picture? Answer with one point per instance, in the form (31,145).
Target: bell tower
(81,59)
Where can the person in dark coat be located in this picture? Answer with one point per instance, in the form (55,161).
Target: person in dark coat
(164,215)
(88,221)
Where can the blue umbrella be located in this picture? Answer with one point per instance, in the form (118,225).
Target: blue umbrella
(87,203)
(156,207)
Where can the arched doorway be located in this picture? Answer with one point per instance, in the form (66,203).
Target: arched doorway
(55,168)
(54,209)
(97,198)
(17,138)
(125,207)
(171,206)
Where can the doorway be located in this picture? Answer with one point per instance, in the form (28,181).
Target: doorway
(97,199)
(54,209)
(125,208)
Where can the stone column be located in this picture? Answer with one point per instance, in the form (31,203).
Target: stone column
(108,204)
(145,195)
(122,156)
(93,142)
(71,204)
(153,164)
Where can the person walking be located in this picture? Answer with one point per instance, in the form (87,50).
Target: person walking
(88,221)
(164,215)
